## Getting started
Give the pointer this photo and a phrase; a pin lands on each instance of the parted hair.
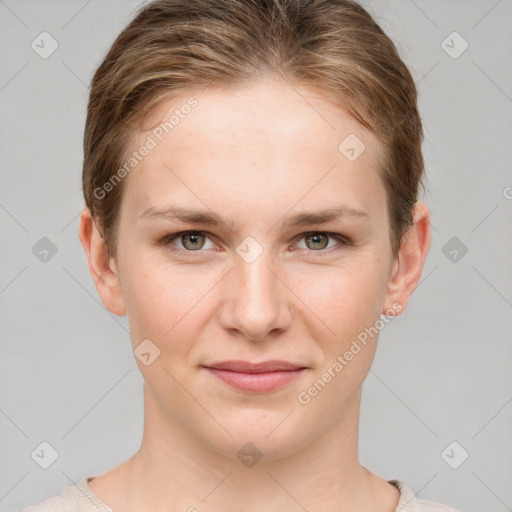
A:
(173, 47)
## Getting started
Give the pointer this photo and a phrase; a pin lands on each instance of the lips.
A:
(263, 367)
(256, 377)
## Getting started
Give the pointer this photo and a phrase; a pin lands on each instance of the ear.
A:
(102, 268)
(407, 267)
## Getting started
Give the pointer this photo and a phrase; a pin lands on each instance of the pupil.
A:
(191, 239)
(316, 240)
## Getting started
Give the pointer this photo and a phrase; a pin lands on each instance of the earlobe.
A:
(102, 268)
(408, 266)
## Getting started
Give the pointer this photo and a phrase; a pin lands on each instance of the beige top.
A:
(80, 498)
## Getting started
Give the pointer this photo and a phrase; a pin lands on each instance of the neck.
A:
(173, 467)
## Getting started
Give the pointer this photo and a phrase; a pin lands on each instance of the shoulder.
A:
(409, 503)
(76, 498)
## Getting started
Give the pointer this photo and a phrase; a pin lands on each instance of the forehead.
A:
(253, 113)
(269, 139)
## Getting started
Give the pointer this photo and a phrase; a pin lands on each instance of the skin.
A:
(254, 156)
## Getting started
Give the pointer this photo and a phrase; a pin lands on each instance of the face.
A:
(248, 234)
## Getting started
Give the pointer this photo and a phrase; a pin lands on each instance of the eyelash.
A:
(166, 242)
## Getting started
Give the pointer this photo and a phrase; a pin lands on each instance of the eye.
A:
(191, 241)
(319, 240)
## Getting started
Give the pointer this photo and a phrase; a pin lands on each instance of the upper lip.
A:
(261, 367)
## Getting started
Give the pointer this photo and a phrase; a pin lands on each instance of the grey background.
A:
(442, 371)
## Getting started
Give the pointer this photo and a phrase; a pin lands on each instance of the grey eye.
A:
(315, 239)
(193, 241)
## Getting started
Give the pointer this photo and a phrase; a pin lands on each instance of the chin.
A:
(260, 434)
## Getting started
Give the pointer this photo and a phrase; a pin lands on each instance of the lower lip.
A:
(257, 382)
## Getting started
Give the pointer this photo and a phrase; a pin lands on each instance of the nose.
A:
(256, 303)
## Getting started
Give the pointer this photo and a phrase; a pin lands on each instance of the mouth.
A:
(256, 377)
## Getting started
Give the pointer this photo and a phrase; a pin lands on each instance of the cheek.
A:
(162, 301)
(151, 298)
(347, 298)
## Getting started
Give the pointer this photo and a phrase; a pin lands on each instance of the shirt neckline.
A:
(87, 496)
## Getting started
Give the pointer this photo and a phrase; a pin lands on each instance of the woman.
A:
(251, 177)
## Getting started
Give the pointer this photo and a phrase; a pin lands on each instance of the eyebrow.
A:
(210, 218)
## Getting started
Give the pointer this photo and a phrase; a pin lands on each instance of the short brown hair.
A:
(172, 47)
